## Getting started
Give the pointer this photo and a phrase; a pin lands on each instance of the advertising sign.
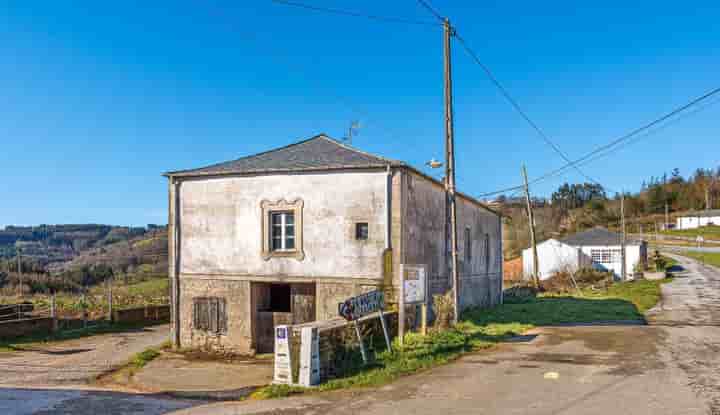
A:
(362, 305)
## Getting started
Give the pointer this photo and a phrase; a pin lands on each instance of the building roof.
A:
(597, 237)
(317, 153)
(702, 214)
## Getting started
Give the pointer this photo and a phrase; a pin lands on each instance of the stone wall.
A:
(238, 337)
(155, 313)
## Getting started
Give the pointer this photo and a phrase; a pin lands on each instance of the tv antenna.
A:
(353, 130)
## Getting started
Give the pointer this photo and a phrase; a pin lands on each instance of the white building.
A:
(597, 248)
(697, 219)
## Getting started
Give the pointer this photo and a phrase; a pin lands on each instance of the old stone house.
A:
(283, 236)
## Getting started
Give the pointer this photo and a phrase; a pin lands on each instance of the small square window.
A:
(361, 231)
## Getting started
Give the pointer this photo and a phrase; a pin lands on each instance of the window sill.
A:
(296, 254)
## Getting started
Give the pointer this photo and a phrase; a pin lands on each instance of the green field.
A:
(712, 258)
(707, 232)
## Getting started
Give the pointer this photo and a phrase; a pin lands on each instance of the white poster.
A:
(414, 284)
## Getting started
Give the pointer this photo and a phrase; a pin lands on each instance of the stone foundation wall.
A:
(238, 337)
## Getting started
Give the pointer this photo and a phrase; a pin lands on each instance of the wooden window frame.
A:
(268, 208)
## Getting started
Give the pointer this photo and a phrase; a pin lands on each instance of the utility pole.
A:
(531, 225)
(667, 216)
(450, 167)
(20, 275)
(623, 266)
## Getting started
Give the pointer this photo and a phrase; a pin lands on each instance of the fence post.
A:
(53, 312)
(84, 309)
(110, 300)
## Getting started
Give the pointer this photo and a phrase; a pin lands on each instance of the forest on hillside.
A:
(580, 206)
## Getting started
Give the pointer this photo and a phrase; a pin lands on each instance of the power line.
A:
(519, 109)
(387, 19)
(615, 145)
(431, 9)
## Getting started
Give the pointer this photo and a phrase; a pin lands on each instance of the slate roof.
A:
(317, 153)
(702, 214)
(596, 237)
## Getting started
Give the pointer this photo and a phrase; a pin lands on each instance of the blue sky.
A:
(99, 99)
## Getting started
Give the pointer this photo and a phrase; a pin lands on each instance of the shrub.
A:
(444, 310)
(519, 293)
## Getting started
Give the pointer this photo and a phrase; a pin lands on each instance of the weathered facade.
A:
(284, 236)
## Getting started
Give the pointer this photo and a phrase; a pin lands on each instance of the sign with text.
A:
(362, 305)
(414, 284)
(282, 373)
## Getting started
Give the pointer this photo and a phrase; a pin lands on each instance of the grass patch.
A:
(712, 258)
(143, 358)
(708, 232)
(483, 328)
(21, 343)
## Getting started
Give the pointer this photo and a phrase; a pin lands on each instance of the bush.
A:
(519, 293)
(444, 310)
(562, 281)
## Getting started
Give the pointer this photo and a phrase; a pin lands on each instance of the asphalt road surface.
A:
(53, 378)
(671, 366)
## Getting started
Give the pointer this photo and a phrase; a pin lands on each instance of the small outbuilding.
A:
(697, 219)
(597, 248)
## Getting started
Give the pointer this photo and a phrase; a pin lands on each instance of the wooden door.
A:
(303, 303)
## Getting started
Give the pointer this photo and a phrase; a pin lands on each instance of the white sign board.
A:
(309, 357)
(362, 305)
(414, 284)
(282, 373)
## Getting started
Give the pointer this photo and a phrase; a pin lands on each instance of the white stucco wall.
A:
(221, 222)
(632, 256)
(553, 256)
(694, 222)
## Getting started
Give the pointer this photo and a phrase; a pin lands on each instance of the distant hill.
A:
(61, 247)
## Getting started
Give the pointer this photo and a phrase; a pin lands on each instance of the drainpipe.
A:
(388, 209)
(176, 263)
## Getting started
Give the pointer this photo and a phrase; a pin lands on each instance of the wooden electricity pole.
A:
(19, 270)
(623, 266)
(667, 216)
(531, 225)
(450, 167)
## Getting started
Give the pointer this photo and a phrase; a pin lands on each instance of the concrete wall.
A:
(424, 242)
(633, 255)
(222, 224)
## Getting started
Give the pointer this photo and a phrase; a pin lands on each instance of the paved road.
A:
(53, 379)
(655, 369)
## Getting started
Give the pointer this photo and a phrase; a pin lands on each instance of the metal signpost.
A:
(363, 305)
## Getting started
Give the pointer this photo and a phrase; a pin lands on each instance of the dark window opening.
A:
(468, 245)
(362, 231)
(280, 298)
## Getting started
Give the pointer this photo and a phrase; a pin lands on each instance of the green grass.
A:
(483, 328)
(24, 342)
(143, 358)
(712, 258)
(708, 232)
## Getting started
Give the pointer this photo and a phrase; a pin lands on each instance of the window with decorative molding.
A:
(282, 229)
